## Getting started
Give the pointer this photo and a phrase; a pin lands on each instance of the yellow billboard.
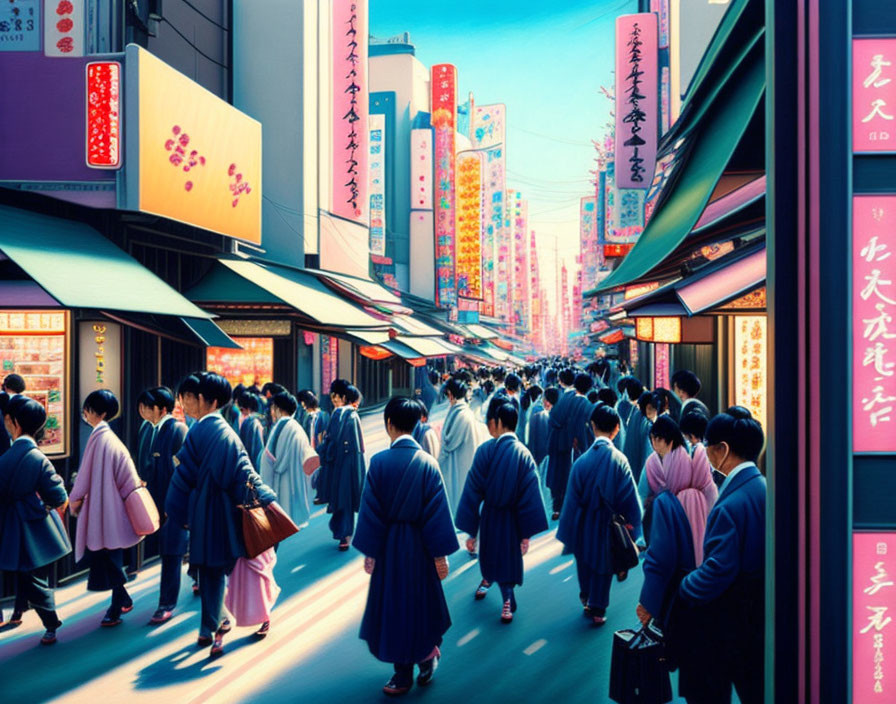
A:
(198, 157)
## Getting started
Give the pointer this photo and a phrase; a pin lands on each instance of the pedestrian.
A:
(213, 478)
(337, 399)
(105, 478)
(345, 469)
(406, 534)
(580, 415)
(13, 384)
(458, 442)
(188, 399)
(315, 420)
(288, 461)
(537, 433)
(32, 497)
(686, 385)
(167, 439)
(600, 486)
(611, 398)
(560, 440)
(693, 427)
(425, 435)
(630, 390)
(252, 591)
(637, 435)
(252, 410)
(719, 614)
(231, 412)
(502, 504)
(142, 457)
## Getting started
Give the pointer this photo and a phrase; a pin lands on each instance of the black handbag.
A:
(638, 671)
(624, 554)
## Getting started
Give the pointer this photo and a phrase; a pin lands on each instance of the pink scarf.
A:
(106, 476)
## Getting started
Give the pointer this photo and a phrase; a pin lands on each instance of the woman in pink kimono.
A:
(105, 478)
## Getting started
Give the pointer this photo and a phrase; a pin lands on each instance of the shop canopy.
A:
(481, 332)
(363, 291)
(80, 268)
(242, 282)
(688, 194)
(420, 347)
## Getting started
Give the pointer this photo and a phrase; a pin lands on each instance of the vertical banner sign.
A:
(350, 98)
(873, 606)
(637, 92)
(661, 9)
(421, 169)
(873, 326)
(588, 241)
(661, 366)
(534, 286)
(20, 25)
(468, 221)
(444, 121)
(377, 136)
(750, 356)
(63, 27)
(504, 286)
(488, 132)
(104, 114)
(521, 264)
(874, 95)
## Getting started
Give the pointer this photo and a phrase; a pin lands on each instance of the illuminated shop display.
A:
(254, 364)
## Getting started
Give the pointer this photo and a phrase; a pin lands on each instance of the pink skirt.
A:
(251, 589)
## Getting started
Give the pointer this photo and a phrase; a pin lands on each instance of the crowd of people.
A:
(605, 450)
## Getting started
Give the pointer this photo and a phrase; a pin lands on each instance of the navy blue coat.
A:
(327, 452)
(584, 526)
(252, 437)
(5, 440)
(345, 464)
(503, 481)
(404, 524)
(670, 555)
(539, 427)
(168, 440)
(637, 442)
(560, 442)
(315, 425)
(31, 532)
(142, 458)
(208, 486)
(420, 431)
(580, 425)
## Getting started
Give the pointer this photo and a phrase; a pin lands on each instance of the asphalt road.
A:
(313, 653)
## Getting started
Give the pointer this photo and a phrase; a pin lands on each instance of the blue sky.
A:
(546, 61)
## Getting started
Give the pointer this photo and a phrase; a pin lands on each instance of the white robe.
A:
(285, 471)
(460, 439)
(431, 443)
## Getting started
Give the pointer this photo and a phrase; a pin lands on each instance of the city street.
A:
(313, 652)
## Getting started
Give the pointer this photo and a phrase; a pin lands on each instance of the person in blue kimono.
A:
(314, 421)
(560, 441)
(337, 393)
(600, 485)
(251, 428)
(405, 534)
(637, 446)
(345, 469)
(231, 412)
(719, 613)
(167, 439)
(213, 477)
(630, 390)
(580, 416)
(32, 536)
(539, 422)
(502, 504)
(144, 435)
(610, 398)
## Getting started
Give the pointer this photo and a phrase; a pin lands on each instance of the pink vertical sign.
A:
(637, 95)
(443, 103)
(874, 323)
(873, 613)
(661, 366)
(350, 98)
(874, 95)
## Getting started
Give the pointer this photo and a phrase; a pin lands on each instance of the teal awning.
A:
(80, 268)
(689, 192)
(240, 281)
(210, 334)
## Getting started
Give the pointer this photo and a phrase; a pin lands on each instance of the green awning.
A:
(243, 281)
(80, 268)
(713, 145)
(210, 334)
(401, 350)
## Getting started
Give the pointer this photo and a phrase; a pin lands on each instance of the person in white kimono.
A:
(288, 460)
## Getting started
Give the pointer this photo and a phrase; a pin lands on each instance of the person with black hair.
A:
(288, 460)
(13, 384)
(425, 435)
(32, 497)
(537, 434)
(5, 440)
(142, 457)
(326, 446)
(459, 442)
(600, 485)
(314, 420)
(426, 383)
(637, 434)
(231, 411)
(719, 615)
(693, 427)
(188, 398)
(345, 469)
(686, 385)
(213, 476)
(502, 504)
(166, 439)
(105, 478)
(405, 534)
(560, 440)
(580, 416)
(512, 386)
(251, 427)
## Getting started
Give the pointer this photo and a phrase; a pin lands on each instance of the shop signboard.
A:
(488, 132)
(467, 225)
(661, 366)
(99, 357)
(377, 141)
(103, 149)
(20, 25)
(443, 82)
(874, 323)
(874, 94)
(873, 609)
(64, 33)
(254, 364)
(750, 364)
(637, 94)
(421, 169)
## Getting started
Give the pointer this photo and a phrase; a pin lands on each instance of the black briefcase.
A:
(638, 671)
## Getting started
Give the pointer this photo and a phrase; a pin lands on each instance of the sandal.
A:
(263, 630)
(481, 590)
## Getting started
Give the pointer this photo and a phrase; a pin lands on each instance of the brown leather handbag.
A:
(264, 526)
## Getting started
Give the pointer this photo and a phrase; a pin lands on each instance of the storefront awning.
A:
(363, 291)
(481, 332)
(411, 326)
(210, 334)
(240, 282)
(424, 346)
(369, 337)
(80, 268)
(713, 146)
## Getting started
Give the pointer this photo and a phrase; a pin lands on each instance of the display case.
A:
(254, 364)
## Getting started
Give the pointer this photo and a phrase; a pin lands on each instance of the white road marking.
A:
(296, 569)
(568, 578)
(560, 568)
(535, 647)
(467, 638)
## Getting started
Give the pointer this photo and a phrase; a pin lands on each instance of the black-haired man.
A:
(560, 441)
